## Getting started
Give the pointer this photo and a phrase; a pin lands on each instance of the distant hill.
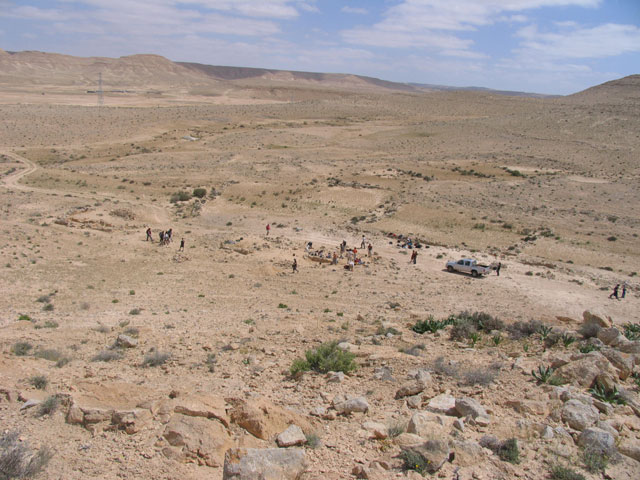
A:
(622, 90)
(156, 72)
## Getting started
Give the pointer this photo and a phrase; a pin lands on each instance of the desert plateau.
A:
(128, 358)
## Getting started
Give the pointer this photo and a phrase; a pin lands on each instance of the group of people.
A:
(351, 254)
(165, 237)
(616, 290)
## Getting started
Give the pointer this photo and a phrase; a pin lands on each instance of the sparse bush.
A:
(474, 338)
(48, 406)
(415, 350)
(463, 329)
(509, 451)
(520, 330)
(594, 461)
(39, 381)
(180, 197)
(21, 348)
(326, 358)
(24, 317)
(44, 299)
(132, 331)
(107, 356)
(62, 362)
(396, 429)
(211, 361)
(479, 376)
(155, 359)
(17, 460)
(135, 311)
(282, 305)
(446, 367)
(49, 354)
(465, 324)
(430, 325)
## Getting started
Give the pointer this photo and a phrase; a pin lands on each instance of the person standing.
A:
(181, 249)
(149, 237)
(295, 264)
(624, 290)
(363, 244)
(370, 250)
(498, 268)
(614, 294)
(268, 228)
(414, 257)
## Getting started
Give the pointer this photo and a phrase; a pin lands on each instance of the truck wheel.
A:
(449, 268)
(474, 273)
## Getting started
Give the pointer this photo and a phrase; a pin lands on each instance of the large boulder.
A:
(597, 440)
(203, 405)
(622, 362)
(427, 425)
(442, 403)
(357, 404)
(264, 464)
(612, 337)
(598, 319)
(467, 406)
(263, 419)
(468, 453)
(578, 415)
(584, 368)
(132, 421)
(409, 389)
(199, 439)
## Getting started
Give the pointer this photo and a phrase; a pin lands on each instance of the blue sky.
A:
(545, 46)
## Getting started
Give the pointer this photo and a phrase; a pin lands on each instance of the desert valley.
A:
(125, 358)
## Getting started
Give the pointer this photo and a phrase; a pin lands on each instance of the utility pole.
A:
(100, 92)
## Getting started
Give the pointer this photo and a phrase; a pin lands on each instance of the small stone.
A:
(469, 407)
(125, 341)
(335, 377)
(578, 415)
(318, 411)
(442, 403)
(291, 437)
(264, 464)
(414, 401)
(458, 423)
(29, 403)
(358, 404)
(410, 389)
(378, 430)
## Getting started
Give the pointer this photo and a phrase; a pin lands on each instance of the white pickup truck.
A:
(468, 265)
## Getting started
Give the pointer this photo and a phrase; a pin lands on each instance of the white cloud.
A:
(355, 10)
(580, 43)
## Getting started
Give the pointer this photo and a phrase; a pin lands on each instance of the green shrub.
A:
(326, 358)
(282, 305)
(135, 311)
(543, 375)
(558, 472)
(24, 317)
(520, 330)
(567, 339)
(603, 394)
(200, 192)
(21, 348)
(509, 451)
(466, 324)
(589, 347)
(17, 460)
(313, 440)
(39, 381)
(396, 429)
(632, 331)
(414, 461)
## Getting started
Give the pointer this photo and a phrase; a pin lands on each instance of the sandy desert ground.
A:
(546, 186)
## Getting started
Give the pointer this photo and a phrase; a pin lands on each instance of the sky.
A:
(542, 46)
